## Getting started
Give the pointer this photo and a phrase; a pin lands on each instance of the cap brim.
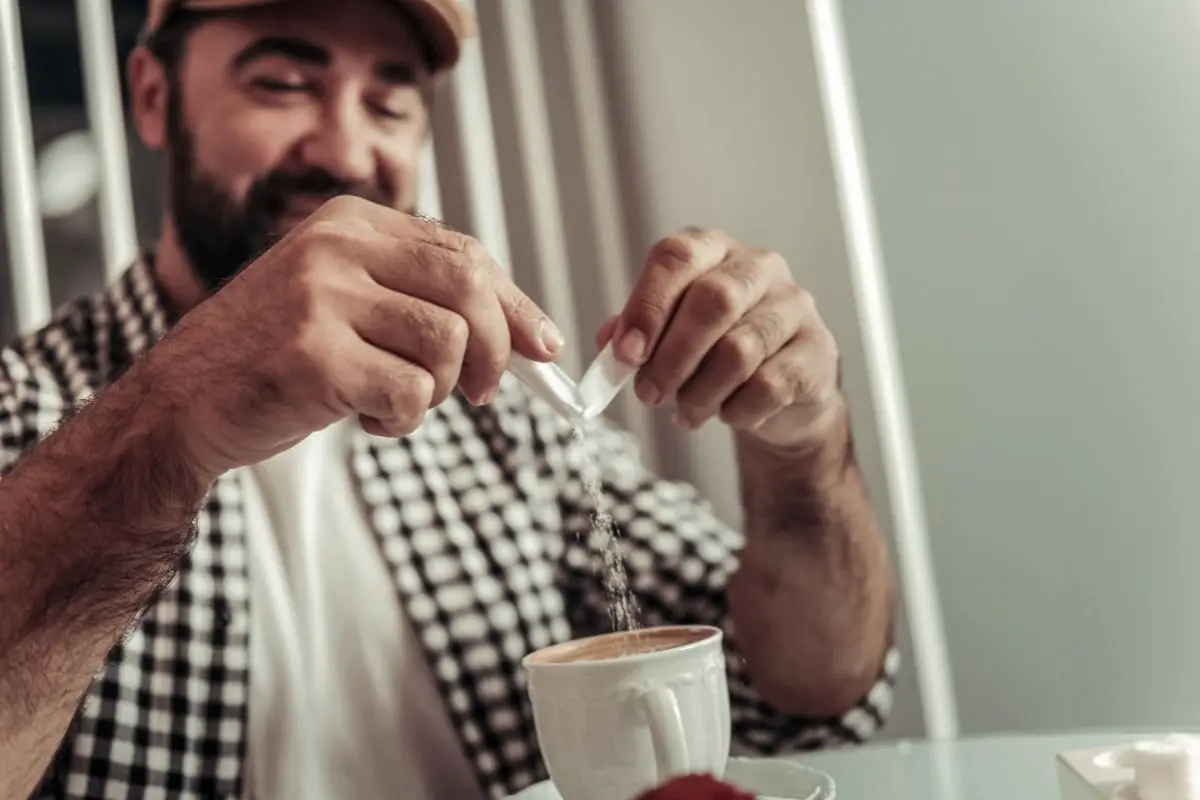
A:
(441, 24)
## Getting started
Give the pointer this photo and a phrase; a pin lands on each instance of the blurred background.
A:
(1032, 169)
(67, 167)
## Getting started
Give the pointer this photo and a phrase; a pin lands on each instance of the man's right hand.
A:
(359, 310)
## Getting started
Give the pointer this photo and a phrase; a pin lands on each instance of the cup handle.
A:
(666, 732)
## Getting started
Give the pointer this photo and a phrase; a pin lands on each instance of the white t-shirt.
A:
(342, 702)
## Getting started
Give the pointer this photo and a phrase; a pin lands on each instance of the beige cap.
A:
(443, 24)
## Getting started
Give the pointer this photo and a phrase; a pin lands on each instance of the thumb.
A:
(606, 331)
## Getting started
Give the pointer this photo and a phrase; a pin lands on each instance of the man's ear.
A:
(149, 91)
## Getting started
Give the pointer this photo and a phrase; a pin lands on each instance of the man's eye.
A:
(273, 85)
(395, 114)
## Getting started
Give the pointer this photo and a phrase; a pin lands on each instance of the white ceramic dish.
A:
(769, 779)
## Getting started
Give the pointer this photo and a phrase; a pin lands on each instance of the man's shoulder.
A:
(64, 347)
(44, 372)
(86, 344)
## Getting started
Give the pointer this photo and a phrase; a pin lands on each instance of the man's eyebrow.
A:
(399, 73)
(288, 47)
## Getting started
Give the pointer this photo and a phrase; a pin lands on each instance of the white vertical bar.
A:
(475, 132)
(600, 169)
(867, 275)
(102, 84)
(22, 217)
(528, 97)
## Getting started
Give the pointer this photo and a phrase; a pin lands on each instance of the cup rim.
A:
(711, 631)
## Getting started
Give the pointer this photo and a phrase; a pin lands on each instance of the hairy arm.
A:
(93, 521)
(813, 562)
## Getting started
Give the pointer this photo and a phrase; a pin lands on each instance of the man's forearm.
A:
(93, 521)
(812, 599)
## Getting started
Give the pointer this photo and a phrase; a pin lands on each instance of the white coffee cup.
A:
(621, 713)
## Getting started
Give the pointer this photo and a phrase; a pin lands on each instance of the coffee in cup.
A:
(619, 645)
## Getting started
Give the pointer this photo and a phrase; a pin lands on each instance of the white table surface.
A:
(1012, 767)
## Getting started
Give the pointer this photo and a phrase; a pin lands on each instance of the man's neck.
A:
(174, 273)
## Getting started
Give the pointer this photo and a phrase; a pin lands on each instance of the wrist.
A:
(177, 409)
(145, 415)
(795, 495)
(800, 434)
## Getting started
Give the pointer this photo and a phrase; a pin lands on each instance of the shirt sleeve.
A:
(679, 558)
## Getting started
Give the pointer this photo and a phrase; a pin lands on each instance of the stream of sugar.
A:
(623, 611)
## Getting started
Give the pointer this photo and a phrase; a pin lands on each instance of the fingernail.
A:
(679, 419)
(551, 336)
(648, 392)
(633, 346)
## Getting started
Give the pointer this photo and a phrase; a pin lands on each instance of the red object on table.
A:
(696, 787)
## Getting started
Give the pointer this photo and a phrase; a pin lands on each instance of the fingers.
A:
(722, 329)
(738, 354)
(461, 284)
(389, 394)
(711, 306)
(801, 378)
(422, 333)
(453, 271)
(670, 268)
(533, 333)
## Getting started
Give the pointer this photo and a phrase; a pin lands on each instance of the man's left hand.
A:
(721, 329)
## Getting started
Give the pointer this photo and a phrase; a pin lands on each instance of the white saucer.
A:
(770, 779)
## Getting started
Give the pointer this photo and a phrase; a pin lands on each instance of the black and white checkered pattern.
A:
(482, 519)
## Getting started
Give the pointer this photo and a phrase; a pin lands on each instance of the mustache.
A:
(272, 193)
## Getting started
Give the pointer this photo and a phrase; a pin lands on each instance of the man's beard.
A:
(218, 234)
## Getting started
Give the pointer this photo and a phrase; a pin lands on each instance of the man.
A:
(300, 523)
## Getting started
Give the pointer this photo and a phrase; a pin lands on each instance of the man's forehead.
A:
(371, 30)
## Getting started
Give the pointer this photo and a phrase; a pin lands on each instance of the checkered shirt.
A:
(483, 522)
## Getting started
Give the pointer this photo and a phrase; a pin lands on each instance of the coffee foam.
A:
(620, 645)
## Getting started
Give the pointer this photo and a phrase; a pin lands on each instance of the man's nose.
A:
(341, 145)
